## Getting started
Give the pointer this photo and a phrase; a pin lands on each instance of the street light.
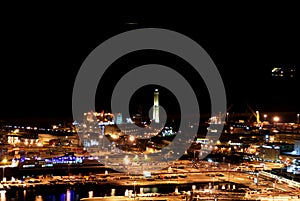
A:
(265, 116)
(131, 138)
(275, 119)
(134, 189)
(227, 114)
(106, 158)
(298, 122)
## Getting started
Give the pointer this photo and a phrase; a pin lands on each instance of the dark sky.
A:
(43, 49)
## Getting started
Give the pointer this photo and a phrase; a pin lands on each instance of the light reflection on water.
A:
(69, 195)
(58, 193)
(2, 195)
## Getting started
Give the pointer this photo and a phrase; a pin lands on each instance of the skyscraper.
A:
(156, 106)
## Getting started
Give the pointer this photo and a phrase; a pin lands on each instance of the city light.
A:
(276, 119)
(79, 137)
(134, 159)
(131, 138)
(227, 116)
(126, 160)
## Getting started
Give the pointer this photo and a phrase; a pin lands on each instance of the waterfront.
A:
(223, 180)
(67, 188)
(75, 193)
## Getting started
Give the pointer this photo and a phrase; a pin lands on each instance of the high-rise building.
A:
(118, 118)
(156, 106)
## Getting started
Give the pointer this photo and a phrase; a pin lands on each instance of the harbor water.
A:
(75, 193)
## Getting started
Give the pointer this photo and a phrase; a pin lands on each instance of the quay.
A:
(123, 198)
(167, 198)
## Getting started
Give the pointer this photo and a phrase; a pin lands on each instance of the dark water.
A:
(75, 193)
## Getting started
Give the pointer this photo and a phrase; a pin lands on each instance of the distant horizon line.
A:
(2, 118)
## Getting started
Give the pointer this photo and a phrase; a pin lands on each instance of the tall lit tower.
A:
(257, 117)
(156, 106)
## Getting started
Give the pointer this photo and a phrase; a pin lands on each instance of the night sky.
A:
(42, 51)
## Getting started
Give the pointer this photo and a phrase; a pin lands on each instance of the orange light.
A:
(276, 119)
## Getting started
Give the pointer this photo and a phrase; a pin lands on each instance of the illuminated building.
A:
(156, 106)
(283, 72)
(217, 119)
(118, 118)
(269, 153)
(105, 118)
(90, 130)
(297, 146)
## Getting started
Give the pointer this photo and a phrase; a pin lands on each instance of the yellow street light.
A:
(275, 119)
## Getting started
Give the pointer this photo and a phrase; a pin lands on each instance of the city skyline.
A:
(191, 145)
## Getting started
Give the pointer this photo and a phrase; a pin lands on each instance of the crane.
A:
(256, 114)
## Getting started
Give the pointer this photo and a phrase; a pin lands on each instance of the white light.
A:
(91, 194)
(131, 138)
(68, 195)
(276, 118)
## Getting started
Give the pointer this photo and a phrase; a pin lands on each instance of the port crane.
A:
(255, 114)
